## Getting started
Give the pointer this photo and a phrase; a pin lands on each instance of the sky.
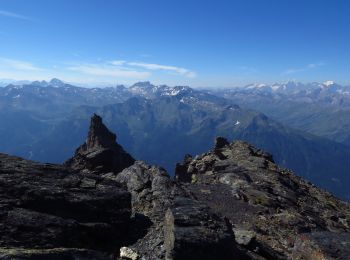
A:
(183, 42)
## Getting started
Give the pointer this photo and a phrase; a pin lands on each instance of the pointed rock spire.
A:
(100, 153)
(99, 136)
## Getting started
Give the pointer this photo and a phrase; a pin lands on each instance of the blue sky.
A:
(197, 43)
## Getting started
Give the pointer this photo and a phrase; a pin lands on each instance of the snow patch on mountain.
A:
(328, 83)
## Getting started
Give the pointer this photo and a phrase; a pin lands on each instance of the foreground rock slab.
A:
(192, 231)
(44, 206)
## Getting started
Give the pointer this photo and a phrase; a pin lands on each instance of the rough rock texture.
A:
(233, 202)
(46, 212)
(268, 208)
(128, 253)
(100, 153)
(51, 254)
(150, 189)
(168, 224)
(192, 231)
(322, 245)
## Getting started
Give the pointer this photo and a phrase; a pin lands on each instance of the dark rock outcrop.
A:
(181, 173)
(322, 245)
(51, 254)
(100, 153)
(192, 231)
(48, 212)
(268, 208)
(151, 189)
(168, 222)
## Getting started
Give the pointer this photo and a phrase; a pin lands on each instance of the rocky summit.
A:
(272, 213)
(232, 202)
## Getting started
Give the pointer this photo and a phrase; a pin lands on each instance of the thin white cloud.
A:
(152, 66)
(123, 68)
(109, 71)
(306, 68)
(120, 71)
(117, 62)
(18, 65)
(315, 65)
(14, 15)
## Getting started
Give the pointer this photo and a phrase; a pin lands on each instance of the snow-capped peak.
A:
(328, 83)
(56, 82)
(261, 85)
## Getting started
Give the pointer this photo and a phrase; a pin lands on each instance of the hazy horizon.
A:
(195, 43)
(5, 82)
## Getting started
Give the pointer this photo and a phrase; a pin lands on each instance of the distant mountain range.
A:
(318, 108)
(45, 121)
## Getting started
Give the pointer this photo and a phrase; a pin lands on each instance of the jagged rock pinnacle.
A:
(100, 153)
(99, 136)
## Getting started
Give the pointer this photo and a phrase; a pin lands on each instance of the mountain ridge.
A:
(320, 109)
